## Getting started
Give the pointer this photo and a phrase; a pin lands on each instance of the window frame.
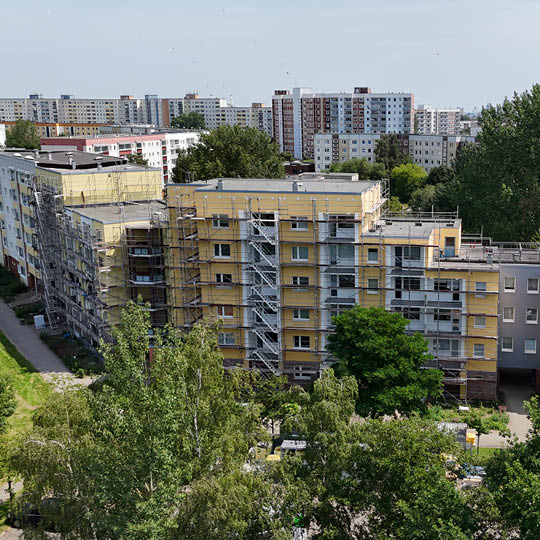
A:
(219, 248)
(298, 222)
(532, 291)
(505, 288)
(476, 325)
(221, 337)
(297, 250)
(525, 346)
(370, 260)
(222, 310)
(298, 279)
(529, 321)
(220, 221)
(506, 349)
(513, 314)
(475, 355)
(298, 312)
(299, 346)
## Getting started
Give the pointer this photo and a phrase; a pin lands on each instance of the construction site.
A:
(275, 260)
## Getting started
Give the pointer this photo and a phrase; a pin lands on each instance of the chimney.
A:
(295, 185)
(99, 166)
(73, 164)
(49, 156)
(220, 184)
(71, 161)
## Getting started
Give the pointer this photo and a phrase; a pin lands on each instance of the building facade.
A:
(432, 121)
(299, 116)
(275, 260)
(159, 149)
(430, 151)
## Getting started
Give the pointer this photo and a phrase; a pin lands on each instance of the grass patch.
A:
(74, 354)
(4, 508)
(10, 286)
(30, 388)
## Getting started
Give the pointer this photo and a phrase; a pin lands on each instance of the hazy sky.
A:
(447, 53)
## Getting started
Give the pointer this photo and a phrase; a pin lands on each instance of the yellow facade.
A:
(275, 260)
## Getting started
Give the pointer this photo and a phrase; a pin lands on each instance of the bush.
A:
(80, 373)
(10, 286)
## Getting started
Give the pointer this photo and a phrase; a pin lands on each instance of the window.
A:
(224, 278)
(442, 315)
(299, 222)
(411, 253)
(373, 255)
(510, 284)
(408, 284)
(532, 285)
(507, 344)
(479, 321)
(301, 314)
(478, 350)
(220, 221)
(372, 285)
(410, 313)
(300, 280)
(225, 311)
(508, 314)
(303, 372)
(446, 285)
(481, 286)
(530, 346)
(341, 252)
(300, 253)
(222, 250)
(532, 316)
(345, 281)
(226, 338)
(301, 342)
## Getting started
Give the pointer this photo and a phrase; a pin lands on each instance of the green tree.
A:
(513, 477)
(389, 152)
(498, 186)
(7, 401)
(230, 152)
(122, 459)
(137, 159)
(423, 199)
(371, 344)
(23, 135)
(440, 175)
(483, 421)
(190, 120)
(378, 172)
(406, 178)
(394, 205)
(361, 166)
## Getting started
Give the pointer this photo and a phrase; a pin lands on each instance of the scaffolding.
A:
(341, 274)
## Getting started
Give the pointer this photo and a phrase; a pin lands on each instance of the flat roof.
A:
(284, 185)
(120, 213)
(414, 229)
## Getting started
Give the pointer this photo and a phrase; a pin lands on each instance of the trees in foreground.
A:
(230, 152)
(162, 449)
(371, 344)
(23, 135)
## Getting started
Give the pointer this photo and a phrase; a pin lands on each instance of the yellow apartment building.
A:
(276, 259)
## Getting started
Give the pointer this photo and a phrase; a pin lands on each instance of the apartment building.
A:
(431, 151)
(299, 116)
(519, 306)
(276, 259)
(48, 129)
(159, 149)
(432, 121)
(334, 148)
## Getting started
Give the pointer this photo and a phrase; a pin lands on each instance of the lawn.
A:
(30, 388)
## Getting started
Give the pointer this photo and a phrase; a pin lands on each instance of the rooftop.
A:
(122, 213)
(286, 185)
(62, 159)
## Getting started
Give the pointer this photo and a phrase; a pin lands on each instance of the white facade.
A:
(343, 147)
(430, 151)
(2, 135)
(432, 121)
(17, 245)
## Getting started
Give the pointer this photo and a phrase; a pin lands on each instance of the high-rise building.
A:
(431, 151)
(299, 116)
(432, 121)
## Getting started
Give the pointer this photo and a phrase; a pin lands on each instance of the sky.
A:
(447, 53)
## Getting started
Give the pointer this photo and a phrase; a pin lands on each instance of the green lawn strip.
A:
(30, 388)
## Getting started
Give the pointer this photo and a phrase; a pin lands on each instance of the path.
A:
(26, 339)
(517, 388)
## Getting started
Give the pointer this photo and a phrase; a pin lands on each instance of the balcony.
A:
(146, 280)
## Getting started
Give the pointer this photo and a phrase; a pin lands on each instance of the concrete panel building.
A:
(432, 121)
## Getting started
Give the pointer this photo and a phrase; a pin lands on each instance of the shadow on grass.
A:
(16, 355)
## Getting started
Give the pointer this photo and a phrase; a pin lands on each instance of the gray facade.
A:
(519, 312)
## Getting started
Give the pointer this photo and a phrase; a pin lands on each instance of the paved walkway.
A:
(517, 388)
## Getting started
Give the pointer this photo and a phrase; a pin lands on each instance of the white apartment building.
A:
(159, 149)
(343, 147)
(299, 116)
(432, 121)
(431, 151)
